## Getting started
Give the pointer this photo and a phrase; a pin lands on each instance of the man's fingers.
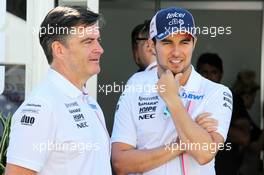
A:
(211, 129)
(202, 116)
(169, 72)
(208, 121)
(208, 124)
(178, 77)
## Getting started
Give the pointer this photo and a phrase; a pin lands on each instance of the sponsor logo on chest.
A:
(147, 107)
(191, 96)
(75, 111)
(27, 120)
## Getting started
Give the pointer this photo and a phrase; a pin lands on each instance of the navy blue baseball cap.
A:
(171, 20)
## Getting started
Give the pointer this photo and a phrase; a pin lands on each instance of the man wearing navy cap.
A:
(179, 126)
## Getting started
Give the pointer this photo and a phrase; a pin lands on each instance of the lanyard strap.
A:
(184, 157)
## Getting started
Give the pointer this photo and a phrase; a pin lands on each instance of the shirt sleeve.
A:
(220, 105)
(32, 132)
(124, 129)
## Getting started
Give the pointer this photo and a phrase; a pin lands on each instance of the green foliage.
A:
(6, 122)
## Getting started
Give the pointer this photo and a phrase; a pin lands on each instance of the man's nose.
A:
(99, 48)
(176, 51)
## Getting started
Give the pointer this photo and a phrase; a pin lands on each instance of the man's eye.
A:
(88, 42)
(166, 42)
(186, 41)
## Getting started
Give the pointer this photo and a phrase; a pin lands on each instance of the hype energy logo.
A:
(191, 96)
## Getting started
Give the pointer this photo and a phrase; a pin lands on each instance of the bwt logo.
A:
(27, 120)
(191, 96)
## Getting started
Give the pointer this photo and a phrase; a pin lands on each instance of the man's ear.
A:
(58, 49)
(135, 55)
(150, 46)
(194, 43)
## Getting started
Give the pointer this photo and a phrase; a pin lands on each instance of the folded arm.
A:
(127, 159)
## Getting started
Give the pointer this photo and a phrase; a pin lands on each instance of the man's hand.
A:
(168, 85)
(206, 122)
(12, 169)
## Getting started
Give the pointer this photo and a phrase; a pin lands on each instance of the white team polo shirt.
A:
(59, 130)
(140, 120)
(151, 66)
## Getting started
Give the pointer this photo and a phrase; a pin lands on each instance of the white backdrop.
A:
(2, 13)
(2, 79)
(2, 44)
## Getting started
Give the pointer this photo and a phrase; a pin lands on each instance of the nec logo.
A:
(27, 120)
(146, 116)
(191, 96)
(82, 125)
